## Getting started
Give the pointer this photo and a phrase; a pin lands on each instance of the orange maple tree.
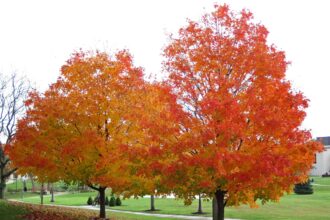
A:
(76, 130)
(244, 142)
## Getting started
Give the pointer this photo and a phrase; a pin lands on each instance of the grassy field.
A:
(293, 207)
(17, 186)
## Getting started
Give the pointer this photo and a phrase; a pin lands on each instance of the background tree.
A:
(13, 90)
(199, 209)
(303, 188)
(245, 140)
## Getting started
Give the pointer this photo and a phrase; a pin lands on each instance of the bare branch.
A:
(13, 92)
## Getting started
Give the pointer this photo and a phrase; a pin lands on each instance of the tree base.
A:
(199, 213)
(98, 218)
(154, 210)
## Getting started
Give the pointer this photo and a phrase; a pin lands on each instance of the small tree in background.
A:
(118, 201)
(303, 188)
(112, 201)
(90, 201)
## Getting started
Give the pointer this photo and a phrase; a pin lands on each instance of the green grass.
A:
(9, 212)
(70, 199)
(291, 207)
(20, 195)
(164, 206)
(18, 186)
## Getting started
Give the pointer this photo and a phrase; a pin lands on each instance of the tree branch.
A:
(6, 175)
(93, 187)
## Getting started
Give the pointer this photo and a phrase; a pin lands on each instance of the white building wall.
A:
(322, 164)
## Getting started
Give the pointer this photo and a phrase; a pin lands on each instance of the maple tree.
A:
(76, 130)
(244, 141)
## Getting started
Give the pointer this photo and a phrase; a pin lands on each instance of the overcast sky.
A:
(37, 37)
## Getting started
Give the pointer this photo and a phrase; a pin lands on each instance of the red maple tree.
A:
(245, 142)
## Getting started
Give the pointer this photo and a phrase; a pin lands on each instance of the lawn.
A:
(21, 195)
(294, 207)
(17, 186)
(71, 199)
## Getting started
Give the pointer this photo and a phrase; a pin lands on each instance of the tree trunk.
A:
(200, 211)
(24, 186)
(16, 184)
(32, 183)
(219, 205)
(2, 188)
(152, 203)
(214, 209)
(52, 193)
(2, 183)
(42, 194)
(2, 180)
(102, 201)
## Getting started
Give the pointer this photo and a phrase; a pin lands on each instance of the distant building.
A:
(322, 160)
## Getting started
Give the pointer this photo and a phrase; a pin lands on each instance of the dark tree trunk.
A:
(102, 201)
(42, 194)
(24, 186)
(214, 209)
(4, 175)
(52, 193)
(2, 183)
(199, 211)
(2, 188)
(152, 203)
(219, 205)
(101, 191)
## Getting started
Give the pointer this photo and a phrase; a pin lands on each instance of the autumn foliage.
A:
(77, 129)
(245, 142)
(225, 123)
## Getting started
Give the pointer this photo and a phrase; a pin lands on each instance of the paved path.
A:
(138, 213)
(315, 184)
(158, 215)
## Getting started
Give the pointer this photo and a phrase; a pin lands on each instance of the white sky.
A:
(38, 36)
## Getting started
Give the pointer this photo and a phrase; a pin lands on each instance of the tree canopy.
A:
(245, 140)
(75, 131)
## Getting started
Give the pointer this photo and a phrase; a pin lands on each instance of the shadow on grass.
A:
(151, 211)
(200, 213)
